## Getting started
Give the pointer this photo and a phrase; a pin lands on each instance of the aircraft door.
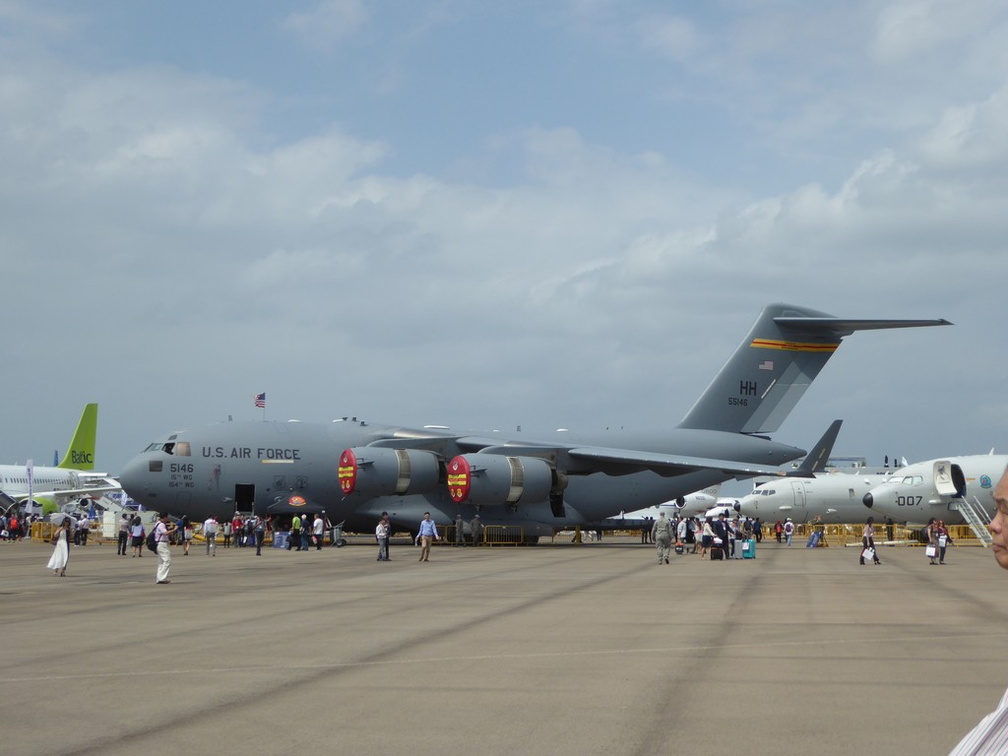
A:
(244, 497)
(949, 479)
(798, 490)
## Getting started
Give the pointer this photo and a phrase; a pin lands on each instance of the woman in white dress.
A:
(61, 552)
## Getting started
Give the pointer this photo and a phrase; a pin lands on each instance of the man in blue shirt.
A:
(428, 530)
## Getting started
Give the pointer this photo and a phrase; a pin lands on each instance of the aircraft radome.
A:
(540, 483)
(936, 488)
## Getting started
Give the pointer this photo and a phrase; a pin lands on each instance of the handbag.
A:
(930, 551)
(868, 553)
(943, 541)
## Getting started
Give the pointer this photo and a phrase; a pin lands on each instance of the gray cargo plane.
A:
(356, 470)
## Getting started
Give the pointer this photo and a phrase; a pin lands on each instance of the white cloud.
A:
(160, 210)
(327, 23)
(673, 37)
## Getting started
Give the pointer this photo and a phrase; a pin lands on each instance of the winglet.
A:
(815, 461)
(80, 455)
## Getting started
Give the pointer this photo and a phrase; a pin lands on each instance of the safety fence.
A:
(851, 534)
(513, 535)
(490, 535)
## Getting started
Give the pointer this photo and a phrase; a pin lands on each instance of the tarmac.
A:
(554, 649)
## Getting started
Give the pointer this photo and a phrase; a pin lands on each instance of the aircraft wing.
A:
(587, 459)
(65, 493)
(625, 461)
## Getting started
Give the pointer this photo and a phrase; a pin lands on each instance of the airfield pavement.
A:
(556, 649)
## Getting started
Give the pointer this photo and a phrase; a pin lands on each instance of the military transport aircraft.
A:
(541, 483)
(939, 488)
(72, 478)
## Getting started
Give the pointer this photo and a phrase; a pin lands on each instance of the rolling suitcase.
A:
(716, 553)
(749, 549)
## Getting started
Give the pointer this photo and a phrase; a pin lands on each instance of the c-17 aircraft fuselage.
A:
(356, 470)
(248, 466)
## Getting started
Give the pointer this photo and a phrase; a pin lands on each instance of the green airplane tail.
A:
(80, 455)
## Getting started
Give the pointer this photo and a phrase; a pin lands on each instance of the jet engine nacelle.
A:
(380, 471)
(494, 479)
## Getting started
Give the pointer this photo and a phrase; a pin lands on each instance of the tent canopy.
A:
(294, 504)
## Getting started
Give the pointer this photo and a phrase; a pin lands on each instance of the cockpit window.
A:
(183, 449)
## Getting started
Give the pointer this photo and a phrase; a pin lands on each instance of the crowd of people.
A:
(696, 535)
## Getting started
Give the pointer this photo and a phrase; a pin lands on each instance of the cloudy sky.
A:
(487, 214)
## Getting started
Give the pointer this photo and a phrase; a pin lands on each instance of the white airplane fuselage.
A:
(829, 497)
(934, 488)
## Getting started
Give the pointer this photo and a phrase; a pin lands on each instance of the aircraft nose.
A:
(868, 500)
(131, 477)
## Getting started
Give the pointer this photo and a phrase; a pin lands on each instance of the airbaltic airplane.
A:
(72, 478)
(918, 492)
(357, 470)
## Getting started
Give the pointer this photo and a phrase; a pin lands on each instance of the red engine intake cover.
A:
(459, 479)
(347, 472)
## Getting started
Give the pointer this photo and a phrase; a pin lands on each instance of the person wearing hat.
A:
(788, 530)
(661, 534)
(477, 530)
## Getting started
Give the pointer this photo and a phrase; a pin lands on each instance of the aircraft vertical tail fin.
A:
(769, 372)
(81, 452)
(815, 461)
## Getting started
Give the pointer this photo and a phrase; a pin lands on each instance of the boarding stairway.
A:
(976, 518)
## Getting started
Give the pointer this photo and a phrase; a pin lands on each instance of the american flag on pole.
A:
(260, 400)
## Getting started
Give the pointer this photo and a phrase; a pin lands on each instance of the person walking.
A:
(162, 532)
(944, 539)
(124, 531)
(459, 531)
(259, 529)
(187, 534)
(931, 537)
(318, 526)
(61, 549)
(868, 542)
(661, 534)
(137, 535)
(706, 538)
(426, 533)
(210, 534)
(477, 530)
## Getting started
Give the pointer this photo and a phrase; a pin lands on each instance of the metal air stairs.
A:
(976, 518)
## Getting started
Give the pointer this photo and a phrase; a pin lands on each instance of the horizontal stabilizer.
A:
(770, 371)
(845, 327)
